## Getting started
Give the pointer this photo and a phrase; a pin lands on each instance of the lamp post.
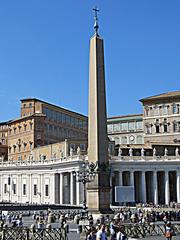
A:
(86, 174)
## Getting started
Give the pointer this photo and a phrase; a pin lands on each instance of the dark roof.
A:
(162, 96)
(27, 117)
(5, 123)
(53, 105)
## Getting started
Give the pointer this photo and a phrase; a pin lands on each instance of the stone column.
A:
(77, 193)
(19, 188)
(61, 188)
(30, 188)
(143, 184)
(39, 189)
(132, 178)
(178, 186)
(42, 188)
(167, 188)
(120, 178)
(71, 188)
(52, 189)
(155, 187)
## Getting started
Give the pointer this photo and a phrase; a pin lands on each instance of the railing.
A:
(13, 163)
(140, 230)
(33, 234)
(41, 162)
(145, 158)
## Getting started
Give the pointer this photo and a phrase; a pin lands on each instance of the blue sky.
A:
(44, 52)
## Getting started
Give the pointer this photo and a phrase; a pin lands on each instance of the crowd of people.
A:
(115, 228)
(101, 228)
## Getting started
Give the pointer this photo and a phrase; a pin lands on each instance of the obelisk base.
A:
(98, 200)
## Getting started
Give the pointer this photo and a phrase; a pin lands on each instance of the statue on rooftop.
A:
(130, 152)
(119, 152)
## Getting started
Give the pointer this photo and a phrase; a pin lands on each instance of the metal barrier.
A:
(141, 230)
(33, 234)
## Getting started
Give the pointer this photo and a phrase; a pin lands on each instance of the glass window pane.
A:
(124, 126)
(131, 125)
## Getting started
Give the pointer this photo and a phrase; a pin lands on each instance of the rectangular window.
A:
(5, 188)
(131, 126)
(157, 129)
(175, 108)
(156, 111)
(55, 116)
(124, 126)
(72, 145)
(175, 127)
(165, 128)
(80, 124)
(59, 117)
(24, 189)
(110, 127)
(68, 120)
(83, 146)
(76, 123)
(14, 188)
(148, 129)
(63, 117)
(139, 125)
(35, 189)
(116, 127)
(31, 126)
(165, 110)
(85, 125)
(46, 190)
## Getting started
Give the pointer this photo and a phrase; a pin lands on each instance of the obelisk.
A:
(98, 191)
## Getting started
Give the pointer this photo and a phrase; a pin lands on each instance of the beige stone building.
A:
(40, 124)
(59, 150)
(126, 130)
(4, 140)
(161, 120)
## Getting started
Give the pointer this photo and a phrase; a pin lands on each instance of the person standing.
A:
(92, 234)
(121, 235)
(169, 231)
(101, 234)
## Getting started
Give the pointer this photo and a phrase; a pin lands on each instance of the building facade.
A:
(155, 180)
(126, 129)
(161, 118)
(40, 124)
(4, 140)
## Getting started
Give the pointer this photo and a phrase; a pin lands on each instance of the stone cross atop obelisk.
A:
(98, 191)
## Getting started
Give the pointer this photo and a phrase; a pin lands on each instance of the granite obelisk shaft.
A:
(98, 191)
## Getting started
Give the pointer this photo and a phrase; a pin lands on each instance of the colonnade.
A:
(157, 187)
(68, 189)
(55, 187)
